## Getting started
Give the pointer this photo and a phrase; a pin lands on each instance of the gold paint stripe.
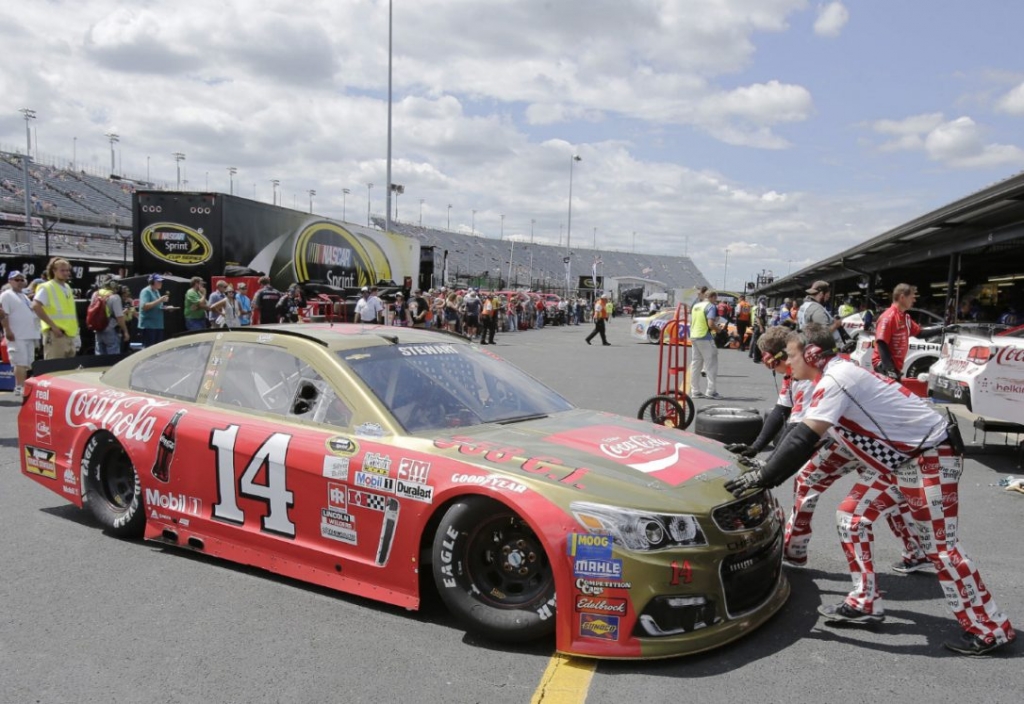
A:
(566, 680)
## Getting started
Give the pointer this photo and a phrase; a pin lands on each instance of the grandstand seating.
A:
(477, 256)
(81, 211)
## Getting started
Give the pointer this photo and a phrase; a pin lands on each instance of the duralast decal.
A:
(176, 244)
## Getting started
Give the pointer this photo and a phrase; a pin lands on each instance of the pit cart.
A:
(672, 405)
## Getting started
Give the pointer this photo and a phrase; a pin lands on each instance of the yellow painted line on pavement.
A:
(565, 681)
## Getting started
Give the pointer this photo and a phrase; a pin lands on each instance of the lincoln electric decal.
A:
(176, 244)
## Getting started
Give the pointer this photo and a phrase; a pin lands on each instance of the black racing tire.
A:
(920, 366)
(493, 573)
(729, 425)
(672, 412)
(113, 491)
(654, 334)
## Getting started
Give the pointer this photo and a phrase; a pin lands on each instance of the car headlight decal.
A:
(640, 531)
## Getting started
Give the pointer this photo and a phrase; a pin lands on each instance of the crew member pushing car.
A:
(898, 436)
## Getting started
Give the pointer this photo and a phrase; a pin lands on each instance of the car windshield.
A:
(435, 386)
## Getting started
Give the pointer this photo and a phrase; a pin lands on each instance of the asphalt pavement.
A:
(88, 618)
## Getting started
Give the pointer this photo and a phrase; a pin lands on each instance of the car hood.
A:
(611, 457)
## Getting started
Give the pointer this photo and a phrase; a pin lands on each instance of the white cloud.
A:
(958, 143)
(831, 19)
(1012, 102)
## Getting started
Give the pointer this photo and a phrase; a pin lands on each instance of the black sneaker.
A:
(844, 613)
(972, 644)
(911, 565)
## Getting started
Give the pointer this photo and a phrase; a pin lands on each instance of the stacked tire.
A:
(728, 424)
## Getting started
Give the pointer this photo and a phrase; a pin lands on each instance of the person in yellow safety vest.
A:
(846, 309)
(602, 311)
(54, 303)
(702, 346)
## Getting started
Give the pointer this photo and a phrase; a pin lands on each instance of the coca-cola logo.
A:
(625, 448)
(123, 415)
(1010, 355)
(949, 500)
(916, 502)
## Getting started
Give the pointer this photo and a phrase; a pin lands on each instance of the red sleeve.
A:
(883, 328)
(914, 327)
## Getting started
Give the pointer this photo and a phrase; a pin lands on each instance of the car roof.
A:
(346, 336)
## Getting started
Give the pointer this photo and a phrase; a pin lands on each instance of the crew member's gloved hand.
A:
(751, 463)
(892, 374)
(742, 449)
(744, 483)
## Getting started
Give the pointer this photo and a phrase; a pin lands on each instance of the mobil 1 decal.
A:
(325, 251)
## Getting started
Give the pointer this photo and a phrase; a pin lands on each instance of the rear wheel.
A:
(493, 573)
(653, 334)
(112, 487)
(920, 366)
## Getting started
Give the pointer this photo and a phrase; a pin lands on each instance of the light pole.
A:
(231, 175)
(147, 168)
(207, 180)
(568, 228)
(29, 115)
(274, 184)
(472, 225)
(178, 158)
(532, 223)
(421, 212)
(510, 253)
(311, 194)
(114, 139)
(398, 189)
(344, 193)
(595, 238)
(74, 152)
(634, 241)
(725, 276)
(501, 234)
(369, 187)
(529, 279)
(449, 217)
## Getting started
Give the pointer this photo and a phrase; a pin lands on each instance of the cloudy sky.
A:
(782, 131)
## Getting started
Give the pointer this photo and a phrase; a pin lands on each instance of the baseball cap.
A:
(399, 295)
(364, 289)
(153, 278)
(819, 287)
(15, 275)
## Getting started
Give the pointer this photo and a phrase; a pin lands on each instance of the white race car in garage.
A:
(985, 372)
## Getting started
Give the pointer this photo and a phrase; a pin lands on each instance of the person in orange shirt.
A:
(600, 316)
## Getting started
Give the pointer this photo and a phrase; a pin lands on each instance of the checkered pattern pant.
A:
(821, 471)
(930, 483)
(875, 494)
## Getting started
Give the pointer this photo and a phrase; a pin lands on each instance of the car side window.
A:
(272, 380)
(175, 373)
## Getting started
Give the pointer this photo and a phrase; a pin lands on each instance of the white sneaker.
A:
(18, 391)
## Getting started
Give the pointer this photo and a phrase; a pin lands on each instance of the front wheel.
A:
(492, 572)
(113, 491)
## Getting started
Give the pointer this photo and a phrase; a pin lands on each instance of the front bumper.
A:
(682, 601)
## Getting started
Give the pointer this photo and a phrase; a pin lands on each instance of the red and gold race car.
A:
(383, 461)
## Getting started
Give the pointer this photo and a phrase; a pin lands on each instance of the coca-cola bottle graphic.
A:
(165, 449)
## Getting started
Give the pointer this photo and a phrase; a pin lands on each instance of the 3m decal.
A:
(275, 494)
